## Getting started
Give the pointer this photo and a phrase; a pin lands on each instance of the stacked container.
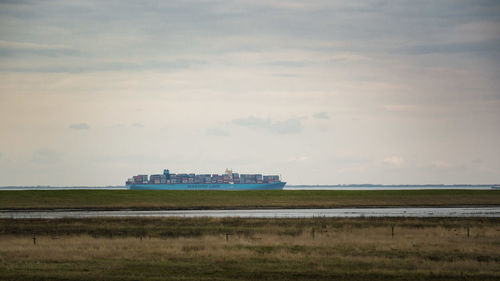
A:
(192, 178)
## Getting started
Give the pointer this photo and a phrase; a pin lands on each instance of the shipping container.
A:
(192, 178)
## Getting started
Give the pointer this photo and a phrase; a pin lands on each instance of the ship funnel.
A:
(166, 172)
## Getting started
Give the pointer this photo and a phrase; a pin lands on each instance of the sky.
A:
(320, 92)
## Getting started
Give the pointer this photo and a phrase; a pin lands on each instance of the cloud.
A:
(286, 75)
(439, 164)
(289, 63)
(138, 125)
(407, 72)
(400, 107)
(15, 2)
(10, 48)
(85, 65)
(253, 122)
(289, 126)
(217, 132)
(321, 115)
(484, 47)
(227, 28)
(478, 161)
(299, 159)
(79, 126)
(45, 156)
(394, 161)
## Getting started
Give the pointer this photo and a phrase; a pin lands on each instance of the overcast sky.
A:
(321, 92)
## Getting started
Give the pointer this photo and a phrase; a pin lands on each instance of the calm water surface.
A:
(277, 213)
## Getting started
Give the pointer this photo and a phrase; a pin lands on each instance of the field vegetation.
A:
(250, 249)
(139, 199)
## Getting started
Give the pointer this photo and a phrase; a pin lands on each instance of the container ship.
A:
(226, 181)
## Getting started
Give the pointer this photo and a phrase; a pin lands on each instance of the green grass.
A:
(116, 199)
(256, 249)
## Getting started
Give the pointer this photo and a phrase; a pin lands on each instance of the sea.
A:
(294, 187)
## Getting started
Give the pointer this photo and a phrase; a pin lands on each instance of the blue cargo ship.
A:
(226, 181)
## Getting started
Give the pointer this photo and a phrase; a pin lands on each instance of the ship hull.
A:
(222, 186)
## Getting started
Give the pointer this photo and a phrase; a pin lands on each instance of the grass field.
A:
(250, 249)
(116, 199)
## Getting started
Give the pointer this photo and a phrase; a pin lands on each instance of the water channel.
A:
(261, 213)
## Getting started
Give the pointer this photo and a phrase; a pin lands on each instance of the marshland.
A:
(250, 249)
(186, 199)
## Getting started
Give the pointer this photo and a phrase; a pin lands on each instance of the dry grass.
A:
(344, 250)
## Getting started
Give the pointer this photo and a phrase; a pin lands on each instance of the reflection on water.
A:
(276, 213)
